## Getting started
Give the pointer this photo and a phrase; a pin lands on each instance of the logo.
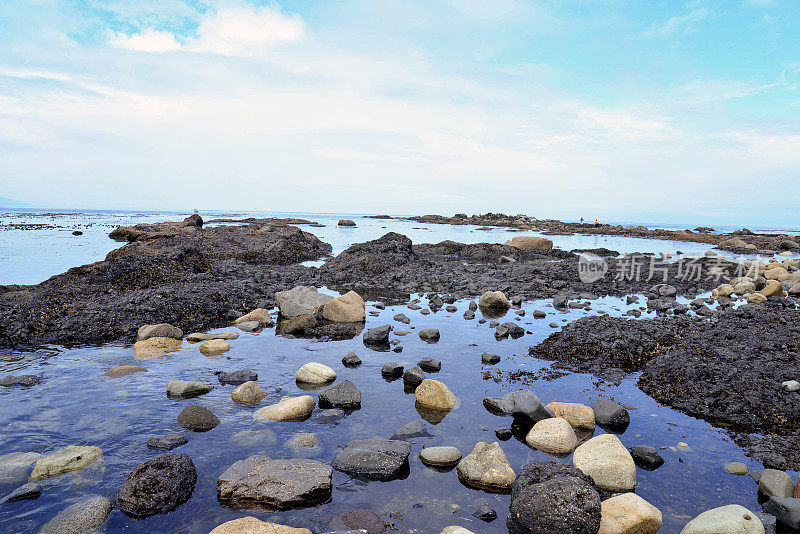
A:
(591, 267)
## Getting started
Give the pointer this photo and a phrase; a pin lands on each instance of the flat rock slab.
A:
(22, 380)
(275, 484)
(237, 378)
(124, 370)
(70, 458)
(158, 486)
(373, 459)
(167, 442)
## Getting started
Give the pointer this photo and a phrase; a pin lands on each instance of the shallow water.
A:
(76, 404)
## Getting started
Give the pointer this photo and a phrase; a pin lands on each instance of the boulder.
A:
(86, 515)
(124, 370)
(158, 486)
(732, 518)
(430, 365)
(523, 404)
(578, 415)
(167, 442)
(553, 435)
(351, 360)
(197, 418)
(611, 415)
(213, 347)
(646, 457)
(315, 373)
(786, 511)
(412, 430)
(186, 389)
(300, 300)
(16, 466)
(65, 460)
(378, 336)
(608, 462)
(349, 308)
(248, 393)
(155, 347)
(373, 459)
(159, 330)
(440, 456)
(431, 335)
(494, 300)
(629, 514)
(288, 409)
(275, 484)
(530, 243)
(434, 395)
(487, 468)
(237, 378)
(343, 395)
(775, 483)
(775, 289)
(259, 315)
(252, 525)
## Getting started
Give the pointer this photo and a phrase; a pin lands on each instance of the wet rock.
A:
(434, 395)
(300, 300)
(629, 514)
(343, 395)
(504, 434)
(785, 510)
(288, 409)
(431, 335)
(331, 415)
(469, 315)
(578, 415)
(213, 347)
(16, 466)
(494, 301)
(346, 222)
(124, 370)
(611, 415)
(158, 486)
(730, 518)
(413, 376)
(608, 462)
(412, 430)
(315, 373)
(348, 308)
(21, 380)
(259, 315)
(440, 456)
(775, 483)
(430, 365)
(202, 336)
(155, 347)
(509, 329)
(486, 467)
(552, 497)
(186, 389)
(197, 418)
(523, 404)
(359, 521)
(237, 378)
(378, 336)
(530, 243)
(646, 457)
(553, 436)
(167, 442)
(85, 516)
(65, 460)
(252, 525)
(734, 468)
(489, 359)
(159, 330)
(402, 318)
(373, 459)
(275, 484)
(539, 314)
(485, 513)
(248, 326)
(392, 370)
(351, 360)
(27, 492)
(248, 393)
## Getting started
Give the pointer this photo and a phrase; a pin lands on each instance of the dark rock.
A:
(522, 404)
(646, 457)
(430, 365)
(469, 315)
(237, 378)
(359, 521)
(343, 395)
(504, 434)
(489, 359)
(611, 415)
(197, 418)
(485, 513)
(193, 220)
(331, 415)
(786, 511)
(21, 380)
(346, 222)
(378, 336)
(413, 376)
(402, 318)
(167, 442)
(392, 370)
(351, 359)
(412, 430)
(373, 459)
(158, 486)
(27, 492)
(509, 329)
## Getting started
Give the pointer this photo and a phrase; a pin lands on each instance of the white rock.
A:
(730, 519)
(608, 462)
(629, 514)
(553, 435)
(315, 373)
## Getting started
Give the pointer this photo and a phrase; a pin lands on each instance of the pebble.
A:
(791, 385)
(443, 456)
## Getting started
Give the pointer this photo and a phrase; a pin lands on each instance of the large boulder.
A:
(252, 525)
(65, 460)
(487, 468)
(733, 518)
(378, 336)
(349, 308)
(315, 373)
(522, 242)
(434, 395)
(494, 300)
(288, 409)
(629, 514)
(523, 404)
(373, 459)
(550, 497)
(300, 300)
(158, 486)
(343, 395)
(275, 484)
(159, 330)
(608, 462)
(86, 515)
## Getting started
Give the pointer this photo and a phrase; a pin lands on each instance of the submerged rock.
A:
(440, 456)
(158, 486)
(65, 460)
(85, 516)
(358, 521)
(21, 380)
(124, 370)
(27, 492)
(412, 430)
(197, 418)
(167, 442)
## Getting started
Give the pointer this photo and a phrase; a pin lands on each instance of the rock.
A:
(22, 380)
(629, 514)
(237, 378)
(775, 483)
(378, 336)
(611, 415)
(300, 300)
(785, 510)
(248, 393)
(158, 486)
(440, 456)
(249, 326)
(539, 314)
(775, 289)
(485, 513)
(735, 468)
(65, 460)
(489, 359)
(85, 516)
(530, 243)
(523, 404)
(431, 335)
(202, 336)
(549, 497)
(192, 221)
(197, 418)
(359, 521)
(155, 347)
(494, 300)
(288, 409)
(27, 492)
(413, 376)
(608, 462)
(252, 525)
(646, 457)
(553, 435)
(349, 308)
(301, 443)
(251, 439)
(167, 442)
(509, 329)
(259, 315)
(124, 370)
(343, 395)
(16, 466)
(351, 359)
(373, 459)
(430, 365)
(275, 484)
(725, 519)
(315, 373)
(330, 415)
(791, 385)
(346, 222)
(469, 315)
(504, 434)
(455, 529)
(392, 370)
(578, 415)
(756, 298)
(186, 389)
(412, 430)
(212, 347)
(434, 395)
(487, 468)
(159, 330)
(402, 318)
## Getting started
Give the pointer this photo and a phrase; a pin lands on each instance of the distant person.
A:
(581, 220)
(596, 223)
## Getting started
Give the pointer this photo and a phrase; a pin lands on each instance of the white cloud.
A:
(147, 41)
(678, 24)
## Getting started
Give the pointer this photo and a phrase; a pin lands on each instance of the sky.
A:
(622, 110)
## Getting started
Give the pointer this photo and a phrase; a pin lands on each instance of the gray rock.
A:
(343, 395)
(275, 484)
(412, 430)
(736, 468)
(378, 336)
(159, 330)
(431, 335)
(85, 516)
(522, 404)
(351, 359)
(186, 389)
(774, 483)
(489, 359)
(392, 370)
(373, 459)
(237, 378)
(359, 521)
(27, 492)
(413, 376)
(300, 300)
(21, 380)
(197, 418)
(402, 318)
(646, 457)
(430, 365)
(785, 510)
(509, 329)
(440, 456)
(611, 415)
(16, 466)
(167, 442)
(249, 326)
(158, 486)
(330, 415)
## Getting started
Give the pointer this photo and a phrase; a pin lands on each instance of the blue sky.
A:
(656, 110)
